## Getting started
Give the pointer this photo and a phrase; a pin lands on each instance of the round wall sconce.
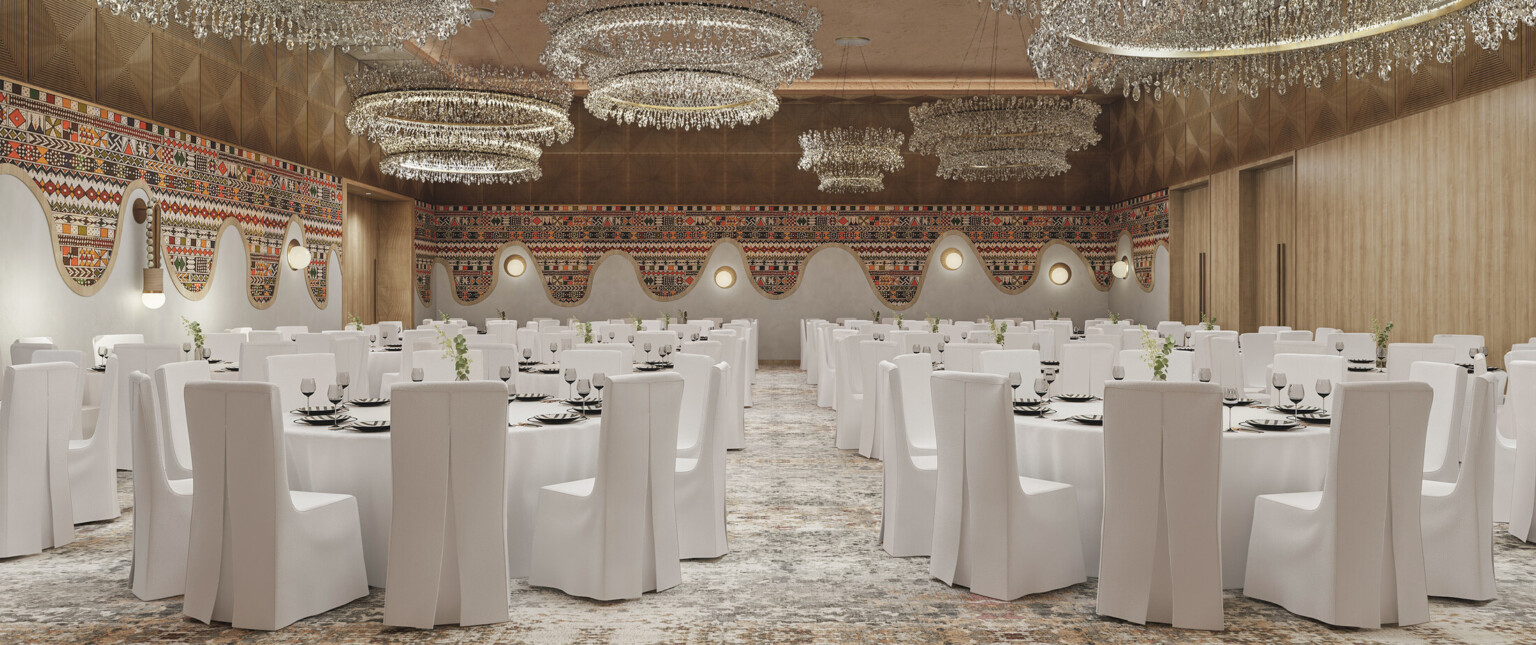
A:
(298, 256)
(725, 277)
(1121, 268)
(1059, 273)
(515, 266)
(951, 259)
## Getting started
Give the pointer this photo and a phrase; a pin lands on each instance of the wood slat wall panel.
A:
(258, 113)
(1371, 101)
(219, 102)
(13, 39)
(320, 137)
(292, 125)
(1481, 70)
(125, 66)
(61, 46)
(177, 84)
(1430, 88)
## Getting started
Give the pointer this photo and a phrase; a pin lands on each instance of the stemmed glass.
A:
(612, 335)
(1338, 346)
(307, 388)
(335, 393)
(964, 335)
(695, 337)
(917, 348)
(1050, 377)
(941, 351)
(1230, 398)
(204, 353)
(527, 354)
(599, 379)
(1042, 387)
(570, 380)
(102, 352)
(186, 351)
(344, 379)
(1278, 381)
(1015, 379)
(1296, 393)
(583, 388)
(647, 349)
(373, 339)
(1324, 387)
(1188, 337)
(1205, 375)
(1381, 357)
(418, 375)
(506, 375)
(1118, 372)
(554, 350)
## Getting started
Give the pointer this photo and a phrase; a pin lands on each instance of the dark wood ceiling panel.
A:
(13, 39)
(125, 68)
(61, 46)
(177, 84)
(1484, 69)
(1326, 115)
(1371, 101)
(258, 114)
(291, 76)
(320, 136)
(220, 100)
(292, 124)
(1428, 88)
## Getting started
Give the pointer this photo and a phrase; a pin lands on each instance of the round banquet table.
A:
(381, 362)
(1251, 465)
(358, 464)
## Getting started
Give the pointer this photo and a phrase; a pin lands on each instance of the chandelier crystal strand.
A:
(1249, 45)
(1003, 138)
(688, 64)
(454, 157)
(852, 160)
(304, 23)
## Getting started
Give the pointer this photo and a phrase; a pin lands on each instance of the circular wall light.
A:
(298, 256)
(1059, 273)
(951, 259)
(1121, 268)
(515, 265)
(725, 277)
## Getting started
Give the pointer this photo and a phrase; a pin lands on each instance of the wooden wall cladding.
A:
(1187, 138)
(261, 97)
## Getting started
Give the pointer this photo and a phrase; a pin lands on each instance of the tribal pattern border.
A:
(84, 157)
(671, 245)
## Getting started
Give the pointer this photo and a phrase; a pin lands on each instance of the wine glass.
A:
(570, 380)
(335, 393)
(1278, 381)
(1118, 372)
(418, 375)
(1015, 379)
(917, 348)
(583, 388)
(599, 379)
(1050, 377)
(1230, 398)
(1381, 357)
(1296, 393)
(646, 348)
(554, 350)
(186, 351)
(1323, 387)
(941, 350)
(1042, 387)
(527, 354)
(612, 335)
(344, 379)
(964, 335)
(373, 339)
(1205, 375)
(307, 388)
(1338, 346)
(204, 353)
(695, 337)
(1188, 337)
(1035, 346)
(505, 374)
(102, 352)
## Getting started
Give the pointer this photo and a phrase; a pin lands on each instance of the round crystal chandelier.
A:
(682, 63)
(1248, 45)
(304, 23)
(1003, 138)
(418, 100)
(460, 157)
(852, 160)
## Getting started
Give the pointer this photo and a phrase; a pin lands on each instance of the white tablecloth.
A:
(1251, 465)
(358, 464)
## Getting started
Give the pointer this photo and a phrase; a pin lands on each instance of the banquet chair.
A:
(93, 461)
(389, 331)
(953, 333)
(289, 331)
(651, 324)
(288, 372)
(1296, 335)
(1134, 337)
(411, 341)
(1357, 346)
(1324, 334)
(699, 478)
(747, 331)
(657, 340)
(1402, 356)
(1135, 363)
(560, 338)
(264, 336)
(1084, 369)
(1273, 329)
(224, 346)
(36, 503)
(1026, 362)
(1160, 552)
(870, 354)
(626, 351)
(850, 391)
(1444, 439)
(1061, 332)
(1000, 534)
(174, 440)
(1506, 446)
(1461, 344)
(587, 362)
(21, 353)
(1226, 365)
(438, 368)
(1306, 369)
(254, 355)
(1181, 367)
(1018, 340)
(502, 331)
(1323, 554)
(351, 351)
(35, 339)
(1457, 516)
(685, 331)
(448, 523)
(162, 502)
(911, 467)
(1171, 329)
(493, 356)
(307, 343)
(966, 357)
(1200, 340)
(1106, 335)
(615, 535)
(111, 341)
(1308, 347)
(89, 413)
(733, 415)
(528, 338)
(133, 357)
(1258, 355)
(923, 339)
(826, 387)
(1522, 402)
(711, 348)
(298, 553)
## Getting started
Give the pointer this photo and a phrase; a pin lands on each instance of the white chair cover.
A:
(1306, 369)
(924, 339)
(657, 340)
(437, 368)
(1002, 535)
(162, 505)
(286, 554)
(870, 354)
(254, 355)
(264, 336)
(1402, 356)
(826, 385)
(389, 331)
(1181, 367)
(1061, 332)
(711, 348)
(700, 472)
(850, 391)
(111, 341)
(1522, 401)
(133, 357)
(21, 353)
(1322, 554)
(1258, 355)
(1171, 329)
(448, 526)
(1283, 346)
(351, 351)
(1293, 335)
(966, 357)
(1226, 365)
(615, 536)
(1135, 363)
(1357, 346)
(1160, 554)
(625, 350)
(224, 346)
(288, 373)
(90, 411)
(586, 362)
(502, 331)
(307, 343)
(1200, 340)
(733, 418)
(1444, 440)
(1007, 361)
(1084, 369)
(911, 467)
(42, 409)
(93, 459)
(493, 356)
(1458, 517)
(1461, 344)
(1273, 329)
(289, 331)
(1107, 335)
(170, 386)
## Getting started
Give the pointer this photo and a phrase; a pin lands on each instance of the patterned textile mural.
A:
(84, 157)
(425, 252)
(1145, 218)
(671, 245)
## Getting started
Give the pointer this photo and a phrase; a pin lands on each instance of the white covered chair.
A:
(1352, 555)
(171, 382)
(21, 353)
(1000, 534)
(1457, 516)
(826, 384)
(733, 419)
(265, 336)
(1305, 370)
(448, 523)
(1084, 369)
(93, 459)
(297, 554)
(711, 348)
(502, 331)
(1007, 361)
(1402, 356)
(111, 341)
(1293, 335)
(224, 346)
(289, 331)
(911, 465)
(923, 339)
(162, 504)
(656, 340)
(615, 536)
(1443, 440)
(966, 357)
(132, 357)
(1273, 329)
(389, 332)
(1160, 553)
(42, 409)
(1357, 346)
(586, 362)
(1106, 335)
(626, 351)
(1135, 363)
(351, 351)
(850, 391)
(307, 343)
(1522, 401)
(254, 355)
(1226, 363)
(90, 411)
(1308, 347)
(437, 368)
(1461, 344)
(493, 356)
(1013, 339)
(288, 373)
(1061, 332)
(1200, 340)
(870, 354)
(700, 472)
(1171, 329)
(1258, 354)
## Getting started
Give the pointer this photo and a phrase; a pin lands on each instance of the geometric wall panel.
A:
(125, 66)
(13, 38)
(62, 46)
(176, 84)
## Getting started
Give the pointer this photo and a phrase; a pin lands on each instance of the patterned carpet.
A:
(805, 567)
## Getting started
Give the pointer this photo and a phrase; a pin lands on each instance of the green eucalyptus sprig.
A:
(635, 320)
(195, 329)
(682, 316)
(875, 315)
(356, 322)
(1055, 315)
(1114, 318)
(666, 320)
(898, 320)
(1207, 321)
(456, 349)
(933, 324)
(1155, 352)
(501, 313)
(998, 331)
(1382, 333)
(585, 328)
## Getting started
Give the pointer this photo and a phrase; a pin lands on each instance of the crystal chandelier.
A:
(682, 63)
(304, 23)
(461, 157)
(1248, 45)
(1001, 138)
(852, 160)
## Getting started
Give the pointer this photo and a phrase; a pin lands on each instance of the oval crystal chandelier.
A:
(682, 63)
(304, 23)
(1249, 45)
(852, 160)
(458, 158)
(1003, 138)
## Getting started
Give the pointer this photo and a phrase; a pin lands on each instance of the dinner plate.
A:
(1088, 419)
(1037, 411)
(1361, 369)
(548, 369)
(559, 417)
(1031, 402)
(1050, 362)
(1271, 425)
(325, 419)
(99, 368)
(1314, 417)
(393, 348)
(529, 397)
(1240, 402)
(646, 367)
(1296, 409)
(370, 426)
(1075, 398)
(368, 403)
(1362, 361)
(231, 368)
(584, 403)
(319, 410)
